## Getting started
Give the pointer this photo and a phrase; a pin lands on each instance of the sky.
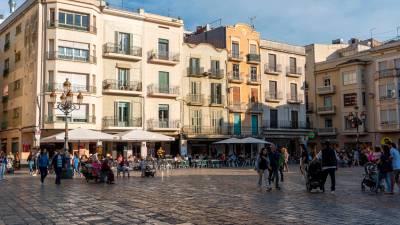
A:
(298, 22)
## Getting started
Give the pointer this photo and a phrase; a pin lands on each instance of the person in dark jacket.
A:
(58, 164)
(43, 164)
(262, 166)
(329, 161)
(274, 159)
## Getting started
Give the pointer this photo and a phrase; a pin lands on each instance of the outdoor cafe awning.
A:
(143, 136)
(248, 140)
(228, 141)
(81, 135)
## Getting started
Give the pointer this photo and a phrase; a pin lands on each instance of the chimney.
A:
(12, 5)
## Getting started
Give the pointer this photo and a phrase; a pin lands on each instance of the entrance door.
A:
(254, 125)
(273, 115)
(237, 124)
(295, 119)
(123, 78)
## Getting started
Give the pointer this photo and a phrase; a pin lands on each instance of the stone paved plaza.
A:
(193, 196)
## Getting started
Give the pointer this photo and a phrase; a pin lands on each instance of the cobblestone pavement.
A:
(193, 196)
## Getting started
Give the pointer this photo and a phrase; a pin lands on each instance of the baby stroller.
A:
(90, 172)
(370, 177)
(149, 168)
(313, 176)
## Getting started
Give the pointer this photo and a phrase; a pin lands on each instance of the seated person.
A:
(107, 172)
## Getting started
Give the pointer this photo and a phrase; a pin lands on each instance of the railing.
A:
(253, 58)
(216, 74)
(353, 130)
(109, 121)
(4, 125)
(55, 55)
(167, 56)
(327, 131)
(74, 87)
(294, 70)
(236, 56)
(217, 100)
(244, 131)
(254, 78)
(111, 84)
(255, 106)
(326, 89)
(163, 124)
(235, 77)
(205, 130)
(195, 71)
(268, 68)
(51, 119)
(6, 71)
(118, 49)
(163, 89)
(387, 97)
(291, 98)
(56, 24)
(195, 99)
(390, 125)
(6, 45)
(273, 96)
(326, 109)
(235, 107)
(286, 124)
(393, 72)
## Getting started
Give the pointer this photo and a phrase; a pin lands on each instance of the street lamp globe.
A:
(80, 98)
(67, 86)
(63, 98)
(70, 96)
(53, 97)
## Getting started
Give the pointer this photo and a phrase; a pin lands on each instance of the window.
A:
(253, 49)
(236, 72)
(122, 111)
(194, 66)
(216, 121)
(163, 49)
(50, 111)
(235, 49)
(254, 95)
(79, 82)
(73, 20)
(328, 101)
(215, 67)
(17, 56)
(253, 73)
(350, 99)
(195, 90)
(17, 85)
(195, 120)
(349, 77)
(163, 115)
(163, 82)
(364, 100)
(272, 62)
(123, 78)
(7, 64)
(73, 53)
(273, 89)
(123, 42)
(216, 93)
(293, 65)
(16, 113)
(52, 16)
(327, 82)
(293, 91)
(328, 122)
(7, 42)
(15, 145)
(382, 65)
(18, 29)
(273, 117)
(387, 91)
(236, 95)
(388, 116)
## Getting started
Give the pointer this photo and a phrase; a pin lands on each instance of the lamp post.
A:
(357, 120)
(66, 105)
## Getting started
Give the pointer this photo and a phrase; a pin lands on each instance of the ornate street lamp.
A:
(66, 105)
(357, 120)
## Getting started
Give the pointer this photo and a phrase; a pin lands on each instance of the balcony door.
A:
(295, 119)
(163, 49)
(254, 125)
(236, 95)
(273, 118)
(237, 124)
(163, 82)
(123, 42)
(328, 101)
(272, 62)
(195, 91)
(253, 73)
(194, 66)
(273, 89)
(215, 67)
(123, 112)
(236, 72)
(196, 121)
(235, 49)
(254, 95)
(216, 93)
(293, 91)
(293, 65)
(163, 116)
(123, 78)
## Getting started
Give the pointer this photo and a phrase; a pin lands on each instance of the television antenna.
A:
(252, 19)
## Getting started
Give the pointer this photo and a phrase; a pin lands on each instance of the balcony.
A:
(235, 77)
(235, 56)
(6, 46)
(237, 107)
(388, 97)
(353, 131)
(325, 90)
(253, 58)
(58, 87)
(327, 131)
(245, 131)
(57, 56)
(56, 24)
(309, 107)
(294, 99)
(326, 110)
(166, 58)
(52, 119)
(389, 126)
(216, 74)
(114, 122)
(217, 100)
(195, 99)
(116, 51)
(163, 125)
(6, 71)
(387, 73)
(286, 124)
(4, 125)
(205, 130)
(196, 72)
(272, 69)
(163, 91)
(254, 79)
(273, 96)
(294, 71)
(111, 86)
(255, 107)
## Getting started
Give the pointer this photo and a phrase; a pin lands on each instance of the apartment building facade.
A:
(283, 87)
(124, 63)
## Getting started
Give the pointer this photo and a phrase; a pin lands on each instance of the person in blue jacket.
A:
(43, 164)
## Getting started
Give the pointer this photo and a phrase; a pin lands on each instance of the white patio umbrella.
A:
(229, 141)
(80, 135)
(251, 140)
(143, 136)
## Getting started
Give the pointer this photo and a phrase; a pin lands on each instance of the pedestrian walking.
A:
(76, 164)
(30, 163)
(262, 166)
(356, 157)
(58, 165)
(3, 165)
(282, 162)
(305, 158)
(274, 159)
(43, 164)
(285, 153)
(395, 156)
(385, 169)
(329, 161)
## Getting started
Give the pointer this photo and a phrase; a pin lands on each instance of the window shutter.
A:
(115, 112)
(116, 38)
(130, 43)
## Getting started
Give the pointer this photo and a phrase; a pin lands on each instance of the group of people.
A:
(270, 164)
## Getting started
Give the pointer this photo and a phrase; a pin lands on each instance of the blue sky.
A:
(292, 21)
